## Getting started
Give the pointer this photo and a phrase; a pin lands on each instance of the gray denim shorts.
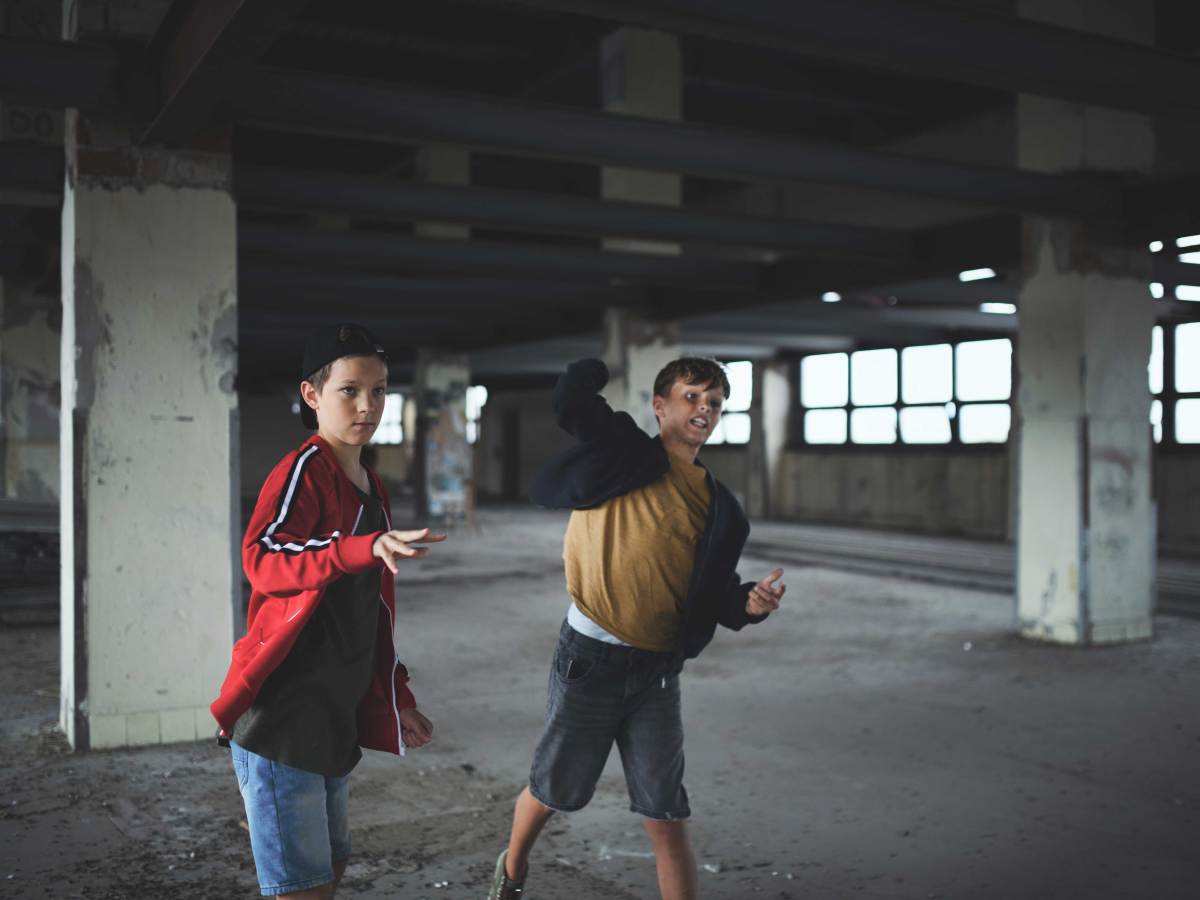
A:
(600, 693)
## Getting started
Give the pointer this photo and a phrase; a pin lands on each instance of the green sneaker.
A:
(503, 887)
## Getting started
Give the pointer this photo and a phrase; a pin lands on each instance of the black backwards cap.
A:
(325, 345)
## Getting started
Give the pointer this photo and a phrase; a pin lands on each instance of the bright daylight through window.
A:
(391, 423)
(928, 394)
(734, 427)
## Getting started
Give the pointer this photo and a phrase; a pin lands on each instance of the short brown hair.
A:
(691, 370)
(318, 378)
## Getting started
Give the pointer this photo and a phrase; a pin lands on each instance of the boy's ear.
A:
(656, 403)
(308, 393)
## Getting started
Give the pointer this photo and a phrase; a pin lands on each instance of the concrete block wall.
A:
(1177, 493)
(269, 429)
(538, 438)
(938, 492)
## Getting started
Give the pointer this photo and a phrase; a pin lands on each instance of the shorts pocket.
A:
(572, 667)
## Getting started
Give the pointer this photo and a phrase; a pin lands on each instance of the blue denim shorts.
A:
(601, 694)
(298, 822)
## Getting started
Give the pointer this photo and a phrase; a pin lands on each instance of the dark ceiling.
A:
(806, 126)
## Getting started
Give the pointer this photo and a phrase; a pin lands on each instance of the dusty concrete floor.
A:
(852, 746)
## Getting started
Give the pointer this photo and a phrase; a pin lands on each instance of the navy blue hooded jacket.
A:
(613, 457)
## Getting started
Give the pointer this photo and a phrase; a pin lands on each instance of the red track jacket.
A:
(299, 541)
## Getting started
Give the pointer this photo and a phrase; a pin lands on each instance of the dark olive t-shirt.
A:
(305, 714)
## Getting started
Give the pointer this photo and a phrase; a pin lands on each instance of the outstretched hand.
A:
(764, 597)
(415, 730)
(392, 546)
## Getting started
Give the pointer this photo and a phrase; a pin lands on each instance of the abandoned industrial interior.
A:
(948, 253)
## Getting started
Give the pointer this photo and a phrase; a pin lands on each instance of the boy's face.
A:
(689, 412)
(350, 403)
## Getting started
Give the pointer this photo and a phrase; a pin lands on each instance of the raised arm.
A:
(580, 409)
(283, 551)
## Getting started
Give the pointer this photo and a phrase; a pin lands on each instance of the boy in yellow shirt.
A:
(650, 555)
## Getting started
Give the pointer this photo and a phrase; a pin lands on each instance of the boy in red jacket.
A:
(316, 675)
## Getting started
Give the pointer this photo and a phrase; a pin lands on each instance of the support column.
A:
(642, 75)
(635, 350)
(1085, 526)
(770, 420)
(149, 466)
(444, 458)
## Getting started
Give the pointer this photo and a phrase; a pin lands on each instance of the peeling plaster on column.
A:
(1084, 575)
(125, 168)
(92, 332)
(635, 350)
(217, 348)
(1084, 517)
(446, 468)
(150, 327)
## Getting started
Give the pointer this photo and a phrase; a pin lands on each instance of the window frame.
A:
(748, 411)
(955, 443)
(1170, 394)
(404, 437)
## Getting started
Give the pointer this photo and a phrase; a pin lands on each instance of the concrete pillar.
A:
(443, 457)
(1085, 526)
(770, 420)
(441, 164)
(642, 75)
(149, 439)
(29, 392)
(635, 350)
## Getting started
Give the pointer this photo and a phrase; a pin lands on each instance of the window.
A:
(1187, 358)
(873, 425)
(1187, 421)
(873, 378)
(825, 426)
(734, 427)
(928, 394)
(391, 424)
(825, 380)
(983, 370)
(1155, 367)
(925, 425)
(1185, 380)
(477, 396)
(927, 373)
(984, 423)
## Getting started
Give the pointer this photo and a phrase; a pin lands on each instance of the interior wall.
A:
(730, 465)
(948, 492)
(1177, 492)
(269, 429)
(936, 491)
(538, 437)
